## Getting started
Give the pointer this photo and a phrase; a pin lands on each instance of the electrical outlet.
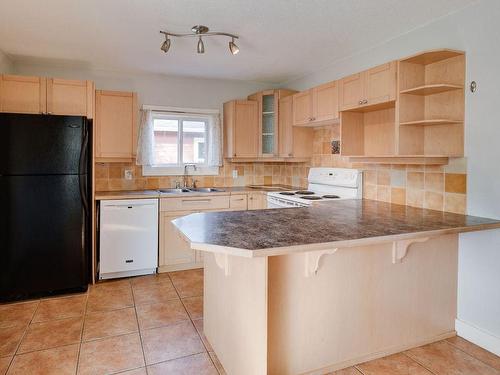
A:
(235, 173)
(128, 174)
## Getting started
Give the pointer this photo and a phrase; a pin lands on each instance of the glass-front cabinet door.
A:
(269, 125)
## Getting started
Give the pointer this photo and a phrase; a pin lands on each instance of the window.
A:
(179, 140)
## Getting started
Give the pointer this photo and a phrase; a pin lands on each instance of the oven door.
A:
(275, 202)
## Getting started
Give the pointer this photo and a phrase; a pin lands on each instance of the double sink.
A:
(191, 190)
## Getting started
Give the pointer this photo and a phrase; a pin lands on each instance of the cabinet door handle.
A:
(365, 101)
(360, 101)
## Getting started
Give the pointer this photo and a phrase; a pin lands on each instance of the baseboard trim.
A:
(478, 336)
(382, 353)
(180, 267)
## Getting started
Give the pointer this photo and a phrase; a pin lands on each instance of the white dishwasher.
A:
(128, 237)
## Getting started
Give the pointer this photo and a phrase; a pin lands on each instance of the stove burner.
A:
(287, 193)
(311, 197)
(331, 196)
(304, 192)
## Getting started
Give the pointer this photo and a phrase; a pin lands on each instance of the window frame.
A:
(178, 168)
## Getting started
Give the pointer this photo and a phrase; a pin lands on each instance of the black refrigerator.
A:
(44, 205)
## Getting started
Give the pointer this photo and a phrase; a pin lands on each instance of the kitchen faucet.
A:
(186, 174)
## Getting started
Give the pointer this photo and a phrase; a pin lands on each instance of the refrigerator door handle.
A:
(83, 167)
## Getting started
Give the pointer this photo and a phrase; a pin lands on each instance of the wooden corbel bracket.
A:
(400, 248)
(312, 259)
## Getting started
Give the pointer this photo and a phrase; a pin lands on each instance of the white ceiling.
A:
(280, 39)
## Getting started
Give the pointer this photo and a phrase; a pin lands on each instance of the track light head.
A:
(165, 45)
(233, 47)
(201, 47)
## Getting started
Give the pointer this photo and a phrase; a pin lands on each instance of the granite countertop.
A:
(343, 223)
(142, 194)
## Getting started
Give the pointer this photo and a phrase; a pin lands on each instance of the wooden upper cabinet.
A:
(294, 141)
(302, 108)
(241, 129)
(115, 125)
(371, 87)
(325, 102)
(22, 94)
(380, 84)
(317, 105)
(70, 97)
(38, 95)
(285, 126)
(351, 91)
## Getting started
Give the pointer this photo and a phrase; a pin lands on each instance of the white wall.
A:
(475, 30)
(154, 89)
(5, 63)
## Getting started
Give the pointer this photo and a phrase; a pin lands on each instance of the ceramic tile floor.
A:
(154, 324)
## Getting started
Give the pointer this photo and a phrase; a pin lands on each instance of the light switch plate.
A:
(128, 174)
(235, 173)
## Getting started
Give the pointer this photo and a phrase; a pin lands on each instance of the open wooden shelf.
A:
(401, 159)
(431, 89)
(431, 57)
(318, 124)
(373, 107)
(431, 103)
(430, 122)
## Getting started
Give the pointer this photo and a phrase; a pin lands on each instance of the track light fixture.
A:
(233, 47)
(166, 44)
(200, 48)
(199, 31)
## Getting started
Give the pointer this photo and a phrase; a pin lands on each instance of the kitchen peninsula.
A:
(312, 290)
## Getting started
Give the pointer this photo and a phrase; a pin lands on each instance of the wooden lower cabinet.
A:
(238, 202)
(257, 201)
(175, 252)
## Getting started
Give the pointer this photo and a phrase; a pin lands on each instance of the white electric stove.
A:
(325, 184)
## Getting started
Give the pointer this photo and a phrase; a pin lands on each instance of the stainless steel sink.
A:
(207, 190)
(191, 190)
(175, 191)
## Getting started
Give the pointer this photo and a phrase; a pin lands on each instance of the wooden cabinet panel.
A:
(174, 250)
(294, 141)
(238, 202)
(257, 201)
(286, 127)
(373, 86)
(351, 91)
(325, 102)
(241, 128)
(70, 97)
(116, 125)
(302, 108)
(380, 84)
(187, 203)
(22, 94)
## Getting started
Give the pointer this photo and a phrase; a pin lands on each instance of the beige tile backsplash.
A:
(110, 176)
(440, 188)
(435, 187)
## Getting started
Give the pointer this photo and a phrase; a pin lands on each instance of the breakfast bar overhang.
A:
(312, 290)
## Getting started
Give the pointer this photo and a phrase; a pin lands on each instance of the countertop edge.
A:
(148, 194)
(336, 244)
